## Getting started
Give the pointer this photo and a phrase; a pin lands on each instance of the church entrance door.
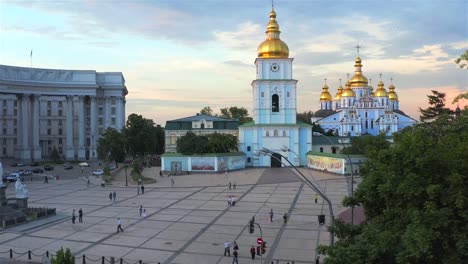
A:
(276, 160)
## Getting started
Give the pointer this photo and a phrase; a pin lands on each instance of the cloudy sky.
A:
(178, 56)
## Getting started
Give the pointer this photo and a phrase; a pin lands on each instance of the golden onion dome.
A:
(325, 96)
(392, 95)
(358, 80)
(381, 92)
(338, 94)
(348, 92)
(273, 47)
(372, 91)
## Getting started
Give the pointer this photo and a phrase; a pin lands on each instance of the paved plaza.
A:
(187, 223)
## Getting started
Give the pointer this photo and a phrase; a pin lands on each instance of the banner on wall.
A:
(203, 164)
(231, 163)
(325, 163)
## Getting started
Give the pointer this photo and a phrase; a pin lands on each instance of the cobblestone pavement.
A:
(187, 223)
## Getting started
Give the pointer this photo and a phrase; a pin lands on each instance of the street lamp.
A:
(267, 152)
(350, 164)
(285, 148)
(126, 178)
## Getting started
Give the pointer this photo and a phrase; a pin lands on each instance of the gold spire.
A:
(358, 79)
(371, 88)
(381, 92)
(392, 95)
(273, 47)
(348, 92)
(340, 91)
(325, 96)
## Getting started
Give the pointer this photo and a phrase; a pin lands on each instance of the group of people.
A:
(232, 201)
(235, 254)
(112, 196)
(80, 216)
(232, 186)
(142, 211)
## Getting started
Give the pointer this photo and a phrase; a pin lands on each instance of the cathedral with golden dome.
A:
(357, 110)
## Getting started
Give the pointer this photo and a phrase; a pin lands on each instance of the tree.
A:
(62, 257)
(206, 111)
(462, 61)
(460, 97)
(415, 199)
(436, 107)
(367, 145)
(305, 117)
(112, 146)
(234, 112)
(143, 136)
(190, 143)
(54, 154)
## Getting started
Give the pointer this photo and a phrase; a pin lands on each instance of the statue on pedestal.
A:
(21, 191)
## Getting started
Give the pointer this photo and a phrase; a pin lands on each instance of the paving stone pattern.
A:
(185, 224)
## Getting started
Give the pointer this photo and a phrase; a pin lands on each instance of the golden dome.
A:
(325, 96)
(381, 92)
(358, 79)
(348, 92)
(372, 91)
(273, 47)
(338, 94)
(392, 95)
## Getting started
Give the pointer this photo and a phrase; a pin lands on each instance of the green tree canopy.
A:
(191, 143)
(112, 146)
(462, 61)
(436, 107)
(305, 117)
(367, 145)
(143, 136)
(234, 112)
(206, 111)
(415, 199)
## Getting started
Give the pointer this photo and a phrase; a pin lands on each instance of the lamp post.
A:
(267, 152)
(350, 164)
(126, 178)
(285, 148)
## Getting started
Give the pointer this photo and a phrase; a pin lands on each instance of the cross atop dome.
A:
(357, 47)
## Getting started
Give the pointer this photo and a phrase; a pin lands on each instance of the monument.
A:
(8, 214)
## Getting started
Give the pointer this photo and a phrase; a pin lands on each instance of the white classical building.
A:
(43, 109)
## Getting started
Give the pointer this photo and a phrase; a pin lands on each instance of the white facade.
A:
(42, 109)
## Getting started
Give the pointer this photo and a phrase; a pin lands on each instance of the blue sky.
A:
(178, 56)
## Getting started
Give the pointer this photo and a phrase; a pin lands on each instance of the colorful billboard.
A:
(203, 164)
(325, 163)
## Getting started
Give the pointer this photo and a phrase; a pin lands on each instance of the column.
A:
(93, 128)
(36, 154)
(19, 127)
(106, 117)
(120, 116)
(26, 156)
(81, 128)
(70, 152)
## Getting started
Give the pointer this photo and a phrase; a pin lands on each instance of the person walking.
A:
(285, 217)
(252, 252)
(73, 216)
(46, 179)
(141, 209)
(142, 189)
(160, 174)
(80, 215)
(138, 189)
(271, 215)
(229, 185)
(119, 225)
(144, 212)
(235, 246)
(317, 260)
(172, 182)
(234, 257)
(110, 196)
(227, 248)
(234, 186)
(114, 195)
(316, 198)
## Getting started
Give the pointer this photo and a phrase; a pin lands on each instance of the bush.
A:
(63, 257)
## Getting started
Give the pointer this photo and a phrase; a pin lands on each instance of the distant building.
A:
(43, 109)
(198, 124)
(358, 110)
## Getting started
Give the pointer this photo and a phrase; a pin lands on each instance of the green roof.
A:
(186, 123)
(331, 155)
(174, 154)
(252, 124)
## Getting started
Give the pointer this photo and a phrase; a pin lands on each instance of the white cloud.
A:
(245, 37)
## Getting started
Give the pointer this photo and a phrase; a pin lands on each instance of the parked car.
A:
(83, 164)
(20, 164)
(34, 164)
(48, 167)
(98, 172)
(67, 166)
(37, 170)
(26, 172)
(13, 177)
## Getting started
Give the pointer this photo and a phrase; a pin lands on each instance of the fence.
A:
(83, 259)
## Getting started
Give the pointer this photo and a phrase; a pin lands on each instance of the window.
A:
(60, 122)
(263, 94)
(15, 103)
(15, 112)
(60, 131)
(101, 110)
(60, 112)
(4, 131)
(49, 104)
(100, 121)
(248, 160)
(4, 152)
(366, 114)
(49, 112)
(60, 141)
(48, 132)
(321, 149)
(248, 148)
(275, 133)
(334, 150)
(113, 100)
(60, 150)
(49, 122)
(372, 124)
(367, 123)
(113, 110)
(267, 133)
(275, 103)
(202, 126)
(15, 132)
(288, 94)
(113, 121)
(352, 128)
(284, 133)
(15, 122)
(60, 103)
